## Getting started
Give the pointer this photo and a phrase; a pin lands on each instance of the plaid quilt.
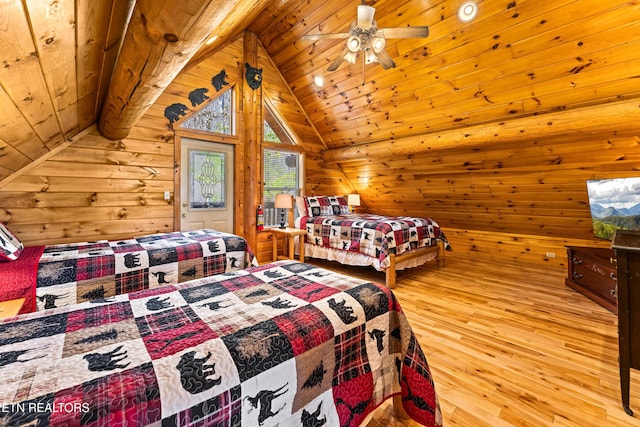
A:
(373, 235)
(79, 272)
(284, 344)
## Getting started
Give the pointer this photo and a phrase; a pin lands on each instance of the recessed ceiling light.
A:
(467, 11)
(319, 81)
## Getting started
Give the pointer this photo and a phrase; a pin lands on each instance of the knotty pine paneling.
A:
(516, 59)
(548, 252)
(57, 27)
(514, 201)
(320, 177)
(102, 189)
(94, 189)
(57, 60)
(99, 32)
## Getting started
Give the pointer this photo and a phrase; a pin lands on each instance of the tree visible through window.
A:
(281, 166)
(216, 116)
(269, 134)
(280, 173)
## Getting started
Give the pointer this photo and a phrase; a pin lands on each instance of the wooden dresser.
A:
(627, 248)
(592, 272)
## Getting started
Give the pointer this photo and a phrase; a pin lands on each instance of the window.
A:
(274, 131)
(216, 116)
(281, 175)
(281, 166)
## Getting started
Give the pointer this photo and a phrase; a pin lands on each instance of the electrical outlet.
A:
(550, 254)
(167, 195)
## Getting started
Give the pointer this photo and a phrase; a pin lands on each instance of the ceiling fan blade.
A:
(385, 60)
(365, 16)
(314, 37)
(336, 62)
(405, 32)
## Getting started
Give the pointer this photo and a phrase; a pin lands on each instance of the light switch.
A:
(167, 195)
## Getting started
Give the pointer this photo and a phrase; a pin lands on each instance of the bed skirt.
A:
(360, 260)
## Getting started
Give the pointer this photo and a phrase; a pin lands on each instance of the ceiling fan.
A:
(364, 35)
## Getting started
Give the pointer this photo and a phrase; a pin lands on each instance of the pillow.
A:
(317, 206)
(10, 246)
(301, 206)
(339, 205)
(325, 205)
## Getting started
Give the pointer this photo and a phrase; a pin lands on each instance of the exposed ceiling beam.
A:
(620, 117)
(162, 36)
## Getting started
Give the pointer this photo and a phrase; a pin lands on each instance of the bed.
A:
(285, 343)
(56, 275)
(387, 243)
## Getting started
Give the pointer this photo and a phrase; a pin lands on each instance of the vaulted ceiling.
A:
(518, 58)
(61, 72)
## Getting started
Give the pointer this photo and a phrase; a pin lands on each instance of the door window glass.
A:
(206, 179)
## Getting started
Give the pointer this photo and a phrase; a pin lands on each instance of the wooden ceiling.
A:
(518, 58)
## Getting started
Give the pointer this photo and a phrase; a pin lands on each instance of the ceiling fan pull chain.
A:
(362, 70)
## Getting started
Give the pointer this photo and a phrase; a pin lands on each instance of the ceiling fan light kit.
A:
(365, 36)
(354, 44)
(378, 43)
(365, 15)
(350, 57)
(370, 57)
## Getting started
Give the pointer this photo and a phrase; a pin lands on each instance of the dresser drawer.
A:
(592, 271)
(601, 278)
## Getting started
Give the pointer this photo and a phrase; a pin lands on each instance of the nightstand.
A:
(288, 234)
(10, 308)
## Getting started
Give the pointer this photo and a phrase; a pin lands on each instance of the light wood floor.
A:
(510, 346)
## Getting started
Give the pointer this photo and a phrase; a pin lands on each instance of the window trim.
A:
(294, 145)
(283, 148)
(295, 141)
(177, 125)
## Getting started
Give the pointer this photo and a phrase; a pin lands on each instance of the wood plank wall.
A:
(320, 177)
(518, 201)
(102, 189)
(94, 189)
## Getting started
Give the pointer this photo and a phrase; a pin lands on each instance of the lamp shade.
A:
(353, 199)
(284, 201)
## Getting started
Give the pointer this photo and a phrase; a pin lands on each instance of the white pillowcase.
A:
(10, 246)
(302, 207)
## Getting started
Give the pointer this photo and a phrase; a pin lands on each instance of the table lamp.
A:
(353, 200)
(284, 202)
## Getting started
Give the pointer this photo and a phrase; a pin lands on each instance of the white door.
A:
(206, 185)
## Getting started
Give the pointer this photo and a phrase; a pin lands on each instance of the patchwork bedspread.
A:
(281, 344)
(373, 235)
(70, 273)
(86, 271)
